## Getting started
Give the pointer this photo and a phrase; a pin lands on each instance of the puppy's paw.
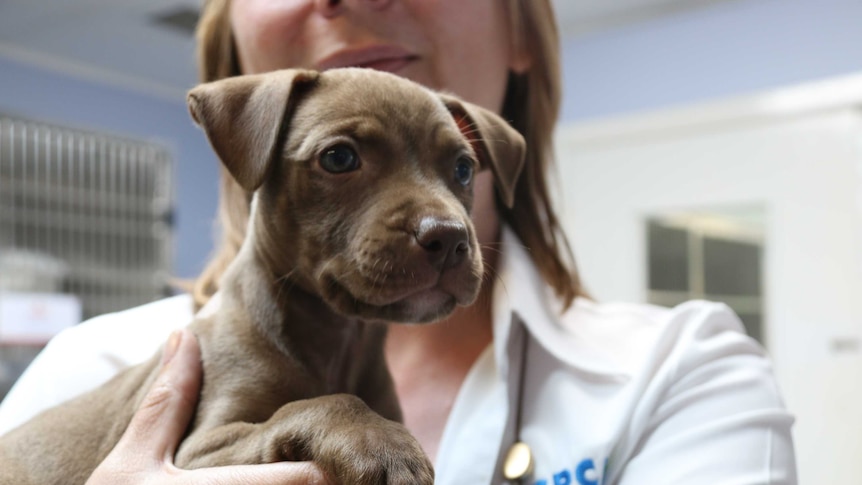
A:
(384, 453)
(350, 442)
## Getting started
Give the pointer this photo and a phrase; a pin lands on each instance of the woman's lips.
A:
(382, 58)
(388, 65)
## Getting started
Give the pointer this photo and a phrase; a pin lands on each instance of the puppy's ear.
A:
(499, 146)
(244, 118)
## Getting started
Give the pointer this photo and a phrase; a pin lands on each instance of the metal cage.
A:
(97, 207)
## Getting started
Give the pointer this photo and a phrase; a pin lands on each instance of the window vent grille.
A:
(90, 211)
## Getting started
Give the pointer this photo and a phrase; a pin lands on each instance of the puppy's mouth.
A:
(433, 298)
(420, 306)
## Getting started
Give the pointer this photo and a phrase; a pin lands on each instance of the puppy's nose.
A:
(446, 242)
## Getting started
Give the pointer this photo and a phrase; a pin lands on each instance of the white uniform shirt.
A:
(614, 393)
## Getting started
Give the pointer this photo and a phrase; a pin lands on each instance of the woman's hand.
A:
(145, 452)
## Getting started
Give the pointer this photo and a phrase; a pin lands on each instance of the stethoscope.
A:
(519, 463)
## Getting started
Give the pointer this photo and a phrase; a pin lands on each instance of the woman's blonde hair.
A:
(531, 105)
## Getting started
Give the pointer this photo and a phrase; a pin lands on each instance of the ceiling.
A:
(120, 42)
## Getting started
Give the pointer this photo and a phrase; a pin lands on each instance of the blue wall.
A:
(48, 96)
(728, 48)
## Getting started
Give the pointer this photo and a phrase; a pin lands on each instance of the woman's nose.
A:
(331, 8)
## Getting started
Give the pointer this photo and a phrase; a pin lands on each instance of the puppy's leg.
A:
(12, 470)
(349, 441)
(64, 444)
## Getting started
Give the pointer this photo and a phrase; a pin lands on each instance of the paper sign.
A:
(33, 318)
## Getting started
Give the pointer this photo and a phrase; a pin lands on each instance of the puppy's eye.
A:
(464, 171)
(339, 159)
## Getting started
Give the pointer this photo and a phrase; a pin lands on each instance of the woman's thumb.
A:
(163, 416)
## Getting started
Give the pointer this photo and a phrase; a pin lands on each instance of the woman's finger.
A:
(163, 416)
(284, 473)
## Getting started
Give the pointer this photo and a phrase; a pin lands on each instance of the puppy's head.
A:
(363, 184)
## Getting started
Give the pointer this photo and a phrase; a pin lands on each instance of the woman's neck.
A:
(429, 363)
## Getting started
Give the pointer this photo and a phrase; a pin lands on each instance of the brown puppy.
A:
(362, 186)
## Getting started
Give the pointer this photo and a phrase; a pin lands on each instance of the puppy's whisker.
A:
(495, 245)
(486, 247)
(334, 277)
(484, 139)
(285, 278)
(469, 134)
(373, 271)
(382, 275)
(323, 269)
(490, 276)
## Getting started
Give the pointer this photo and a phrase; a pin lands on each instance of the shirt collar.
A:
(522, 297)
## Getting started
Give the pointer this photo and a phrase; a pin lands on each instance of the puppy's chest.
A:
(252, 384)
(251, 391)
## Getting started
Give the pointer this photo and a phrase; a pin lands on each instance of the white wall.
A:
(804, 165)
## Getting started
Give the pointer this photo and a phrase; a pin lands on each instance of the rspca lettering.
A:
(585, 473)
